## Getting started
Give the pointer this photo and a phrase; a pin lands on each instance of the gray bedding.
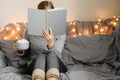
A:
(12, 73)
(94, 57)
(96, 72)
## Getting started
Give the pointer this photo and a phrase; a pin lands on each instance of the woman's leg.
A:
(39, 68)
(52, 67)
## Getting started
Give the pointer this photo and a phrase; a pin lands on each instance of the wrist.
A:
(50, 46)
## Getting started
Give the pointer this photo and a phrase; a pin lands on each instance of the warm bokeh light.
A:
(101, 26)
(73, 30)
(13, 31)
(1, 29)
(99, 20)
(114, 23)
(96, 26)
(101, 30)
(86, 32)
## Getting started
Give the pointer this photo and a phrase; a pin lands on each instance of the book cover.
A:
(43, 19)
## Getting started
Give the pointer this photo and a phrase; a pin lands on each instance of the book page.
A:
(36, 21)
(56, 19)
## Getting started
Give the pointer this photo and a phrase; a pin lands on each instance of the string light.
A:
(106, 25)
(101, 26)
(96, 26)
(73, 30)
(13, 31)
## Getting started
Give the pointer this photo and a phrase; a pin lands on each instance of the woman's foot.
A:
(37, 79)
(52, 78)
(38, 74)
(52, 74)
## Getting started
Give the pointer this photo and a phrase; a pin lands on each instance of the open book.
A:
(43, 19)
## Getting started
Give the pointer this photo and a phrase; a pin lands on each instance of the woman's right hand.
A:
(48, 35)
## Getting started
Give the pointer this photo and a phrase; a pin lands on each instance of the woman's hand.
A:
(48, 35)
(15, 47)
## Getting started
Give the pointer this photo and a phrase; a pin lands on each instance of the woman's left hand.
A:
(15, 47)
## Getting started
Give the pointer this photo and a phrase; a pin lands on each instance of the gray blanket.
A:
(12, 73)
(84, 55)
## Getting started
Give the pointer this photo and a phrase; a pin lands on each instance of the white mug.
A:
(22, 44)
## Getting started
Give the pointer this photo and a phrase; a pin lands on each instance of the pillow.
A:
(93, 48)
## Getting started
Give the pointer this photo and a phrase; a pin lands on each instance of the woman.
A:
(45, 65)
(51, 58)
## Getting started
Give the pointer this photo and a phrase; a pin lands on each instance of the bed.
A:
(86, 57)
(93, 57)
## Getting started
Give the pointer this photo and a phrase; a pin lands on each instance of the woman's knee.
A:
(52, 61)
